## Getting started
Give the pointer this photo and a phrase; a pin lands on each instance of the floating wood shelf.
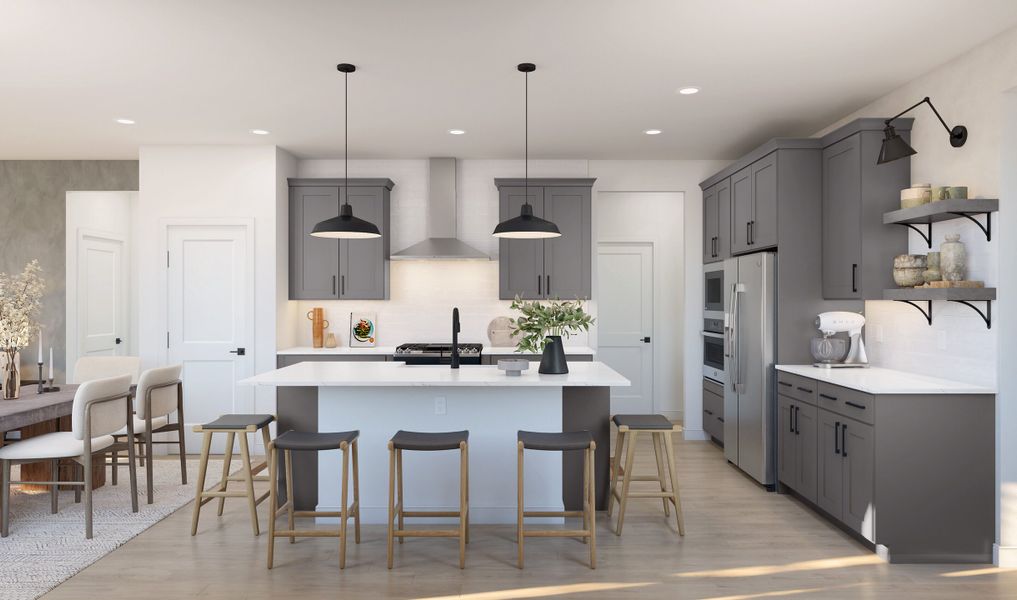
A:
(944, 210)
(963, 296)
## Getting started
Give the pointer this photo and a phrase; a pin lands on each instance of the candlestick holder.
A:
(42, 386)
(50, 387)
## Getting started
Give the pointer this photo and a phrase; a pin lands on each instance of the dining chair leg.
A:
(400, 499)
(226, 464)
(669, 446)
(77, 489)
(391, 499)
(149, 486)
(54, 489)
(116, 467)
(140, 452)
(464, 466)
(183, 451)
(519, 504)
(87, 478)
(356, 494)
(245, 455)
(206, 444)
(273, 501)
(619, 442)
(343, 508)
(132, 474)
(658, 452)
(5, 498)
(630, 453)
(288, 456)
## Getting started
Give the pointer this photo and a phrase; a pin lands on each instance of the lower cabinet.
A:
(713, 410)
(796, 446)
(847, 471)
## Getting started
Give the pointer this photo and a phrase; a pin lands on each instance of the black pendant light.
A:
(894, 146)
(346, 226)
(526, 226)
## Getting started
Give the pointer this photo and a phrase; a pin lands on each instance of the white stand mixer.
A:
(832, 323)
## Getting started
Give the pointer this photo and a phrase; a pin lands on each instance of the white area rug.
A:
(45, 549)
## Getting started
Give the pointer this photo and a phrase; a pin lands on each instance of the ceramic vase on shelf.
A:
(953, 258)
(318, 325)
(552, 361)
(330, 340)
(10, 372)
(932, 270)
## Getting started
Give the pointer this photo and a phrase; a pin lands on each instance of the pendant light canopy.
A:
(346, 226)
(894, 146)
(526, 226)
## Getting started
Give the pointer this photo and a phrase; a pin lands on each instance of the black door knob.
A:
(118, 340)
(239, 351)
(646, 340)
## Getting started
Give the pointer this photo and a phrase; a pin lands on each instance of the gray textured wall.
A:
(32, 225)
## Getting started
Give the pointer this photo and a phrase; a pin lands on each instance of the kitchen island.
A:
(379, 398)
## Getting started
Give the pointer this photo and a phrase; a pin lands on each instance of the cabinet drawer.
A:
(713, 405)
(847, 402)
(797, 387)
(713, 388)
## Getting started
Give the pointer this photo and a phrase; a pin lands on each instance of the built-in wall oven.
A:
(713, 350)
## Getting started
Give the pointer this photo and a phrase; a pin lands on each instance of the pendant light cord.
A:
(346, 137)
(526, 138)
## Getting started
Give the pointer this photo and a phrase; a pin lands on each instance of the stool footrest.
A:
(425, 533)
(438, 513)
(553, 513)
(556, 533)
(306, 533)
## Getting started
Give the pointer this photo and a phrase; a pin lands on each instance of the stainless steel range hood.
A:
(441, 242)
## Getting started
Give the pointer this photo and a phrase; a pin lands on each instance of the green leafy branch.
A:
(540, 320)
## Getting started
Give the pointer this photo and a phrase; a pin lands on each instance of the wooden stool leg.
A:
(54, 467)
(356, 494)
(658, 452)
(273, 501)
(245, 455)
(519, 503)
(619, 442)
(206, 444)
(585, 495)
(400, 499)
(591, 503)
(391, 498)
(288, 455)
(630, 454)
(464, 462)
(227, 462)
(674, 483)
(467, 498)
(344, 510)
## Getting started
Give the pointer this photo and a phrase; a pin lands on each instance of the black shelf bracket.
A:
(926, 312)
(926, 235)
(986, 229)
(986, 316)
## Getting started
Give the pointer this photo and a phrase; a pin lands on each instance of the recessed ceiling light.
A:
(125, 121)
(260, 131)
(688, 91)
(652, 132)
(457, 131)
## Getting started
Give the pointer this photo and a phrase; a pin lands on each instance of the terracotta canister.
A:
(953, 258)
(932, 271)
(318, 326)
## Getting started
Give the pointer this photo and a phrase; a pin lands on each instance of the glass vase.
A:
(11, 378)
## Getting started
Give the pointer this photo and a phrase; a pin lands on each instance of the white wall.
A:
(110, 213)
(969, 90)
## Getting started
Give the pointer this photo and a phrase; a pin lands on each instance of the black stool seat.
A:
(239, 422)
(313, 440)
(643, 421)
(424, 440)
(566, 440)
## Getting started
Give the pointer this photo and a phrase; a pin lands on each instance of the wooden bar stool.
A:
(294, 441)
(428, 442)
(232, 425)
(560, 442)
(660, 428)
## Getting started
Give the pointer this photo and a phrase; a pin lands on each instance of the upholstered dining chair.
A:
(159, 394)
(101, 407)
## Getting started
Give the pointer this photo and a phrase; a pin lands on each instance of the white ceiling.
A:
(193, 72)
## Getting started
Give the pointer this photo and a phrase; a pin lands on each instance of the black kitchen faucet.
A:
(455, 338)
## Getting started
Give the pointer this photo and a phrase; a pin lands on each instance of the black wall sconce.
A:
(895, 147)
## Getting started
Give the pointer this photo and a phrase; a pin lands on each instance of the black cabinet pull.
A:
(790, 419)
(342, 285)
(836, 437)
(797, 410)
(828, 397)
(748, 227)
(784, 383)
(716, 246)
(707, 411)
(752, 232)
(804, 389)
(540, 281)
(549, 286)
(333, 285)
(853, 405)
(843, 440)
(854, 277)
(721, 419)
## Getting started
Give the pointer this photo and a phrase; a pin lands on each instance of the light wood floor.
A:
(741, 543)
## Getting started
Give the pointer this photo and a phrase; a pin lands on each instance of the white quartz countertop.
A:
(390, 350)
(876, 380)
(397, 374)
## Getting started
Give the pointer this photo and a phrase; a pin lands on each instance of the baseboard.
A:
(695, 435)
(1004, 556)
(479, 515)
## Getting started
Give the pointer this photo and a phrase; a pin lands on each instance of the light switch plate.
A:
(440, 405)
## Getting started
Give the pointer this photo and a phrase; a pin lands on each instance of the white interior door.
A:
(102, 295)
(625, 321)
(210, 305)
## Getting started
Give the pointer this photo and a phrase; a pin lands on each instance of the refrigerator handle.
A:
(736, 383)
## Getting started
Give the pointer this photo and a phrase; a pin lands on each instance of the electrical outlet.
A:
(941, 340)
(439, 405)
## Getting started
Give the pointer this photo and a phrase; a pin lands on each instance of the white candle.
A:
(51, 362)
(40, 346)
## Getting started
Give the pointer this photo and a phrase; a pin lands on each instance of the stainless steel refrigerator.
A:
(749, 406)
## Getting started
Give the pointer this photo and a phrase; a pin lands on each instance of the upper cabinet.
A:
(717, 222)
(553, 268)
(754, 206)
(330, 269)
(858, 249)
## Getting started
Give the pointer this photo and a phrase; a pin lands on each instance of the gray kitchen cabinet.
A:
(857, 450)
(331, 269)
(552, 268)
(741, 210)
(787, 443)
(717, 222)
(797, 431)
(858, 249)
(807, 429)
(830, 494)
(764, 203)
(713, 410)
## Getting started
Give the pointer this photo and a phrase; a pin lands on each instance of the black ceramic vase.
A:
(552, 362)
